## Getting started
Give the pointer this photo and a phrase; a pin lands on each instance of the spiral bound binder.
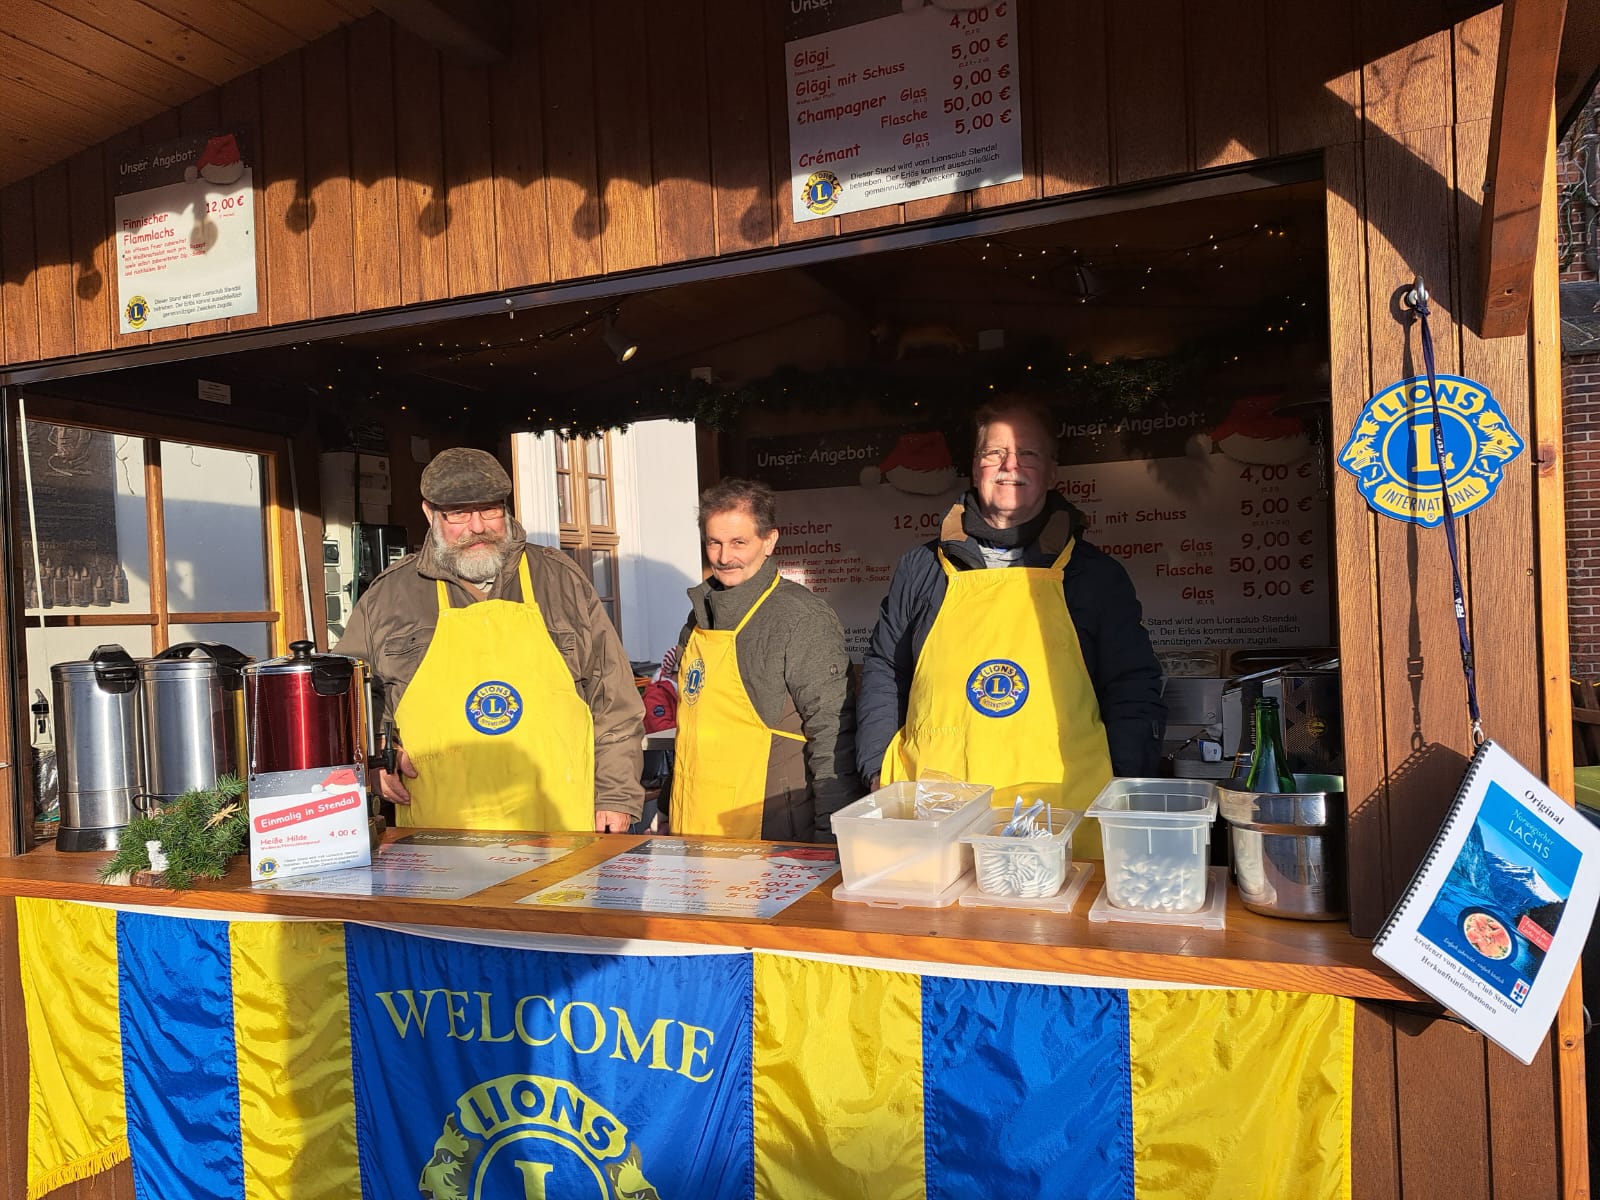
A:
(1492, 923)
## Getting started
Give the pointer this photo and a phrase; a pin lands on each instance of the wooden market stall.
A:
(399, 184)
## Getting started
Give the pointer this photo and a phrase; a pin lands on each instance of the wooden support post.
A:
(1519, 134)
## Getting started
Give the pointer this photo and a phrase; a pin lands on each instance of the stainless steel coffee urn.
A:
(193, 711)
(98, 746)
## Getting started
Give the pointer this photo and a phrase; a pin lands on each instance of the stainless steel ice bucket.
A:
(1289, 847)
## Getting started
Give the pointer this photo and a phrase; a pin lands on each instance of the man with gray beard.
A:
(512, 698)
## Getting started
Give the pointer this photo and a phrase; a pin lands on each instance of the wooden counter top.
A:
(1252, 952)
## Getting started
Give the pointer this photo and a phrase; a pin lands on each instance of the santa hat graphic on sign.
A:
(919, 464)
(1255, 434)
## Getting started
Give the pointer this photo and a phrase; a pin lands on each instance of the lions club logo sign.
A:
(529, 1136)
(694, 680)
(494, 707)
(1393, 455)
(136, 312)
(821, 192)
(997, 688)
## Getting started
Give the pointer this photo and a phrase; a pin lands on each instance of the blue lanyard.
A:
(1418, 298)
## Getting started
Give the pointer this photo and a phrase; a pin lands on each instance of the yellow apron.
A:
(719, 778)
(1000, 695)
(492, 722)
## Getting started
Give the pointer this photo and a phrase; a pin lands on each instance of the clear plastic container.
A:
(885, 849)
(1156, 834)
(1024, 866)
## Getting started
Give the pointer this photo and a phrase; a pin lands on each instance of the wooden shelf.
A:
(1252, 952)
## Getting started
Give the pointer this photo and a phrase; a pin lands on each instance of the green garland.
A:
(199, 832)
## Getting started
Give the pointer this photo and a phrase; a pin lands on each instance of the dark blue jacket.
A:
(1104, 608)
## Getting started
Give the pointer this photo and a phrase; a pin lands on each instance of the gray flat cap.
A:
(461, 476)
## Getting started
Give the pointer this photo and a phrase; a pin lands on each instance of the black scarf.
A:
(974, 526)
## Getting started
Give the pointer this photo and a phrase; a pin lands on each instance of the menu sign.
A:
(441, 865)
(186, 246)
(677, 875)
(305, 822)
(1218, 512)
(895, 100)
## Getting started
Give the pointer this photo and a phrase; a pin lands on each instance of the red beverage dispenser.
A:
(305, 711)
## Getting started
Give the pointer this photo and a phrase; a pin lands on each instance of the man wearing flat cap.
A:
(514, 704)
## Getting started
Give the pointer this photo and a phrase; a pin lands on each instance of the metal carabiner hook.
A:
(1417, 296)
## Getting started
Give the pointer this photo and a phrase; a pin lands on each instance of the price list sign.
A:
(185, 243)
(894, 100)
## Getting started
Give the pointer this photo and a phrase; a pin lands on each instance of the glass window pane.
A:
(250, 637)
(599, 503)
(601, 564)
(611, 611)
(88, 505)
(564, 499)
(595, 455)
(574, 553)
(211, 502)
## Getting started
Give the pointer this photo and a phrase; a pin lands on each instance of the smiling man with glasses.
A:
(512, 698)
(1009, 651)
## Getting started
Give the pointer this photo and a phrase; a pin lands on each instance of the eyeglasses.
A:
(995, 456)
(460, 516)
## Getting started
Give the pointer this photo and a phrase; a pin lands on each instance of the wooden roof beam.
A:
(1519, 137)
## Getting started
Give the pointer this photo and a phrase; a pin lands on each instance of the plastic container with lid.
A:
(888, 853)
(1034, 867)
(1156, 835)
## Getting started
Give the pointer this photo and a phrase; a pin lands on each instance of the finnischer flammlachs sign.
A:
(185, 234)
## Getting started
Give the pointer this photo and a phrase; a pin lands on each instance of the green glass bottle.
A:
(1269, 765)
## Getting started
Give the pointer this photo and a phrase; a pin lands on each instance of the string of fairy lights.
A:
(418, 377)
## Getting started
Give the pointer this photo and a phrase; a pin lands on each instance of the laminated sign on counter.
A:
(306, 822)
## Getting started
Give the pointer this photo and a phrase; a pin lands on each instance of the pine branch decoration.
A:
(199, 832)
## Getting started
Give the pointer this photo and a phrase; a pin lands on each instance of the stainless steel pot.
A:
(193, 706)
(1288, 847)
(98, 746)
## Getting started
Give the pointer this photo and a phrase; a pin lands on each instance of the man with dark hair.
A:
(514, 702)
(1009, 651)
(766, 735)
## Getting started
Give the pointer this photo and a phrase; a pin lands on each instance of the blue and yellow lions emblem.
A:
(694, 680)
(997, 688)
(1396, 462)
(530, 1137)
(494, 707)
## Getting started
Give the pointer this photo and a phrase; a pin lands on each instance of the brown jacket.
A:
(393, 622)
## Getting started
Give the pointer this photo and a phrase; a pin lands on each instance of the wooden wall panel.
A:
(94, 279)
(571, 176)
(19, 296)
(419, 147)
(1149, 121)
(52, 233)
(522, 232)
(1227, 64)
(1406, 79)
(623, 132)
(1439, 1073)
(1313, 76)
(680, 132)
(1073, 128)
(469, 180)
(373, 165)
(241, 109)
(737, 94)
(1374, 1107)
(286, 204)
(330, 217)
(1355, 549)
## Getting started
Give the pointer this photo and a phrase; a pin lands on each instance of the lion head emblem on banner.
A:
(529, 1137)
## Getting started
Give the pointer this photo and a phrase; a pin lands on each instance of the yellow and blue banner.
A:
(246, 1060)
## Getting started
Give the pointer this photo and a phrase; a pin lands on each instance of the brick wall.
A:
(1580, 399)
